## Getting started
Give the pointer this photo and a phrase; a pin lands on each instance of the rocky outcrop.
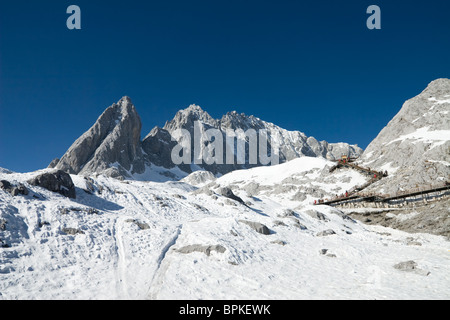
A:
(14, 190)
(325, 233)
(111, 146)
(201, 248)
(58, 181)
(258, 227)
(411, 266)
(414, 147)
(158, 146)
(228, 193)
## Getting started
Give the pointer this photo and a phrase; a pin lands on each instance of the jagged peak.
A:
(188, 116)
(120, 111)
(195, 110)
(437, 87)
(125, 99)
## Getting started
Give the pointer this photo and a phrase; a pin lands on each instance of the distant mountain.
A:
(414, 147)
(112, 146)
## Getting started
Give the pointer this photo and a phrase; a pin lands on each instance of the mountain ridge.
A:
(112, 146)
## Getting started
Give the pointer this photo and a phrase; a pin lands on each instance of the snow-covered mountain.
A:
(241, 233)
(112, 145)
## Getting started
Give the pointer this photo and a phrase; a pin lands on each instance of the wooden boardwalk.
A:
(387, 198)
(353, 195)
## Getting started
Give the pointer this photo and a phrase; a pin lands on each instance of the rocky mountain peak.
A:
(111, 145)
(184, 119)
(234, 120)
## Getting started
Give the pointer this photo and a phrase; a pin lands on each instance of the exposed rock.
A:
(111, 146)
(325, 253)
(414, 146)
(72, 231)
(258, 227)
(324, 233)
(411, 266)
(5, 185)
(158, 146)
(54, 163)
(234, 127)
(317, 215)
(13, 189)
(433, 218)
(298, 224)
(199, 177)
(280, 242)
(141, 225)
(3, 223)
(286, 213)
(203, 249)
(58, 181)
(226, 192)
(277, 223)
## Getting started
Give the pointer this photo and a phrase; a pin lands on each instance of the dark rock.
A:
(3, 223)
(226, 192)
(58, 181)
(5, 185)
(13, 189)
(20, 189)
(72, 231)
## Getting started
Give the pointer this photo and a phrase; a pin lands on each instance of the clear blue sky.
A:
(311, 66)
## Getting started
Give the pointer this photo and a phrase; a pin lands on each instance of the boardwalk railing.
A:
(375, 197)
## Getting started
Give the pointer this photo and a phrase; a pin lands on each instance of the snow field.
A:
(130, 237)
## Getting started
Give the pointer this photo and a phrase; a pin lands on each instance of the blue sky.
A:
(311, 66)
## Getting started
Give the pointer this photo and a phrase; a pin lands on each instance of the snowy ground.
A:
(133, 237)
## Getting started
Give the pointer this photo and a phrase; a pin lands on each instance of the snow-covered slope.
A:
(173, 240)
(296, 183)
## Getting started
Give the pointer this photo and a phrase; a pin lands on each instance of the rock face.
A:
(111, 146)
(415, 145)
(58, 181)
(13, 189)
(203, 249)
(258, 227)
(233, 129)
